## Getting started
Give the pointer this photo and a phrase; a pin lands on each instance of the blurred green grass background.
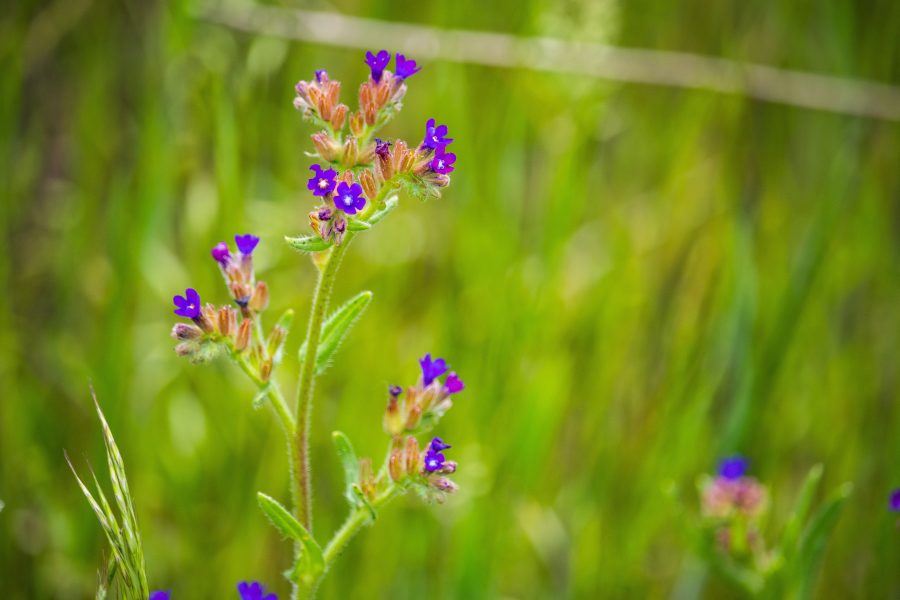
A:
(632, 280)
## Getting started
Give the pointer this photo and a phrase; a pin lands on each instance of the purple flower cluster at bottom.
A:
(248, 591)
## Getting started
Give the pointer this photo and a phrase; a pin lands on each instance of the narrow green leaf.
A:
(815, 537)
(336, 328)
(358, 225)
(307, 243)
(310, 563)
(389, 205)
(798, 516)
(349, 462)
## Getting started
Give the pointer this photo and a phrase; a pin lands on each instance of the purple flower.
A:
(438, 445)
(349, 198)
(454, 384)
(406, 68)
(733, 467)
(434, 461)
(377, 63)
(443, 161)
(395, 390)
(322, 182)
(188, 305)
(435, 136)
(382, 148)
(321, 75)
(160, 595)
(246, 243)
(254, 591)
(431, 369)
(220, 253)
(894, 501)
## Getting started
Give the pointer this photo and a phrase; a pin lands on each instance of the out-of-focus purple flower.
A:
(438, 445)
(246, 243)
(454, 384)
(322, 181)
(894, 501)
(723, 497)
(160, 595)
(733, 467)
(406, 68)
(431, 369)
(443, 162)
(188, 305)
(349, 198)
(220, 253)
(395, 390)
(382, 148)
(435, 136)
(321, 75)
(377, 63)
(254, 591)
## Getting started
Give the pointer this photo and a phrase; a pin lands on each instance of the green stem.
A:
(357, 519)
(300, 463)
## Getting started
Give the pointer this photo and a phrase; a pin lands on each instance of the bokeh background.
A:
(632, 280)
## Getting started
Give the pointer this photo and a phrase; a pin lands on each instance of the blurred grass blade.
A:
(798, 516)
(307, 243)
(350, 463)
(815, 537)
(336, 328)
(310, 564)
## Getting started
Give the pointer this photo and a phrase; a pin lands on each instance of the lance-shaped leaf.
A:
(336, 328)
(358, 225)
(798, 516)
(307, 243)
(815, 537)
(350, 463)
(310, 563)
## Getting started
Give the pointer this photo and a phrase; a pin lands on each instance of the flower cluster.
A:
(425, 403)
(425, 471)
(233, 329)
(247, 591)
(361, 170)
(733, 504)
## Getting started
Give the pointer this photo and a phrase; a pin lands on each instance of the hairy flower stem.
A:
(357, 519)
(300, 463)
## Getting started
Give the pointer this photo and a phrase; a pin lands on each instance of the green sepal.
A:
(350, 463)
(336, 328)
(310, 564)
(358, 225)
(307, 243)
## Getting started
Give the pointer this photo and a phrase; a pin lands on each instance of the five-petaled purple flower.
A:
(160, 595)
(406, 68)
(443, 161)
(246, 243)
(454, 384)
(254, 591)
(733, 467)
(349, 198)
(894, 501)
(221, 253)
(322, 182)
(434, 459)
(436, 136)
(188, 305)
(382, 148)
(377, 63)
(431, 369)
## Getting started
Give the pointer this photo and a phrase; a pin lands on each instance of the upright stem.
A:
(359, 517)
(321, 296)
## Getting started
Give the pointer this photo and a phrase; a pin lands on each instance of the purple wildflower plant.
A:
(254, 591)
(246, 243)
(733, 467)
(378, 63)
(442, 162)
(406, 67)
(349, 198)
(322, 182)
(431, 368)
(188, 306)
(894, 501)
(436, 136)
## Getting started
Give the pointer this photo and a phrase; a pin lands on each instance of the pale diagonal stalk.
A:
(356, 521)
(300, 463)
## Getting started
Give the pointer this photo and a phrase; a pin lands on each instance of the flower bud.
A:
(337, 119)
(367, 181)
(395, 465)
(242, 339)
(357, 124)
(444, 484)
(259, 301)
(184, 331)
(223, 321)
(393, 421)
(326, 147)
(367, 478)
(398, 156)
(265, 369)
(351, 152)
(411, 456)
(413, 416)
